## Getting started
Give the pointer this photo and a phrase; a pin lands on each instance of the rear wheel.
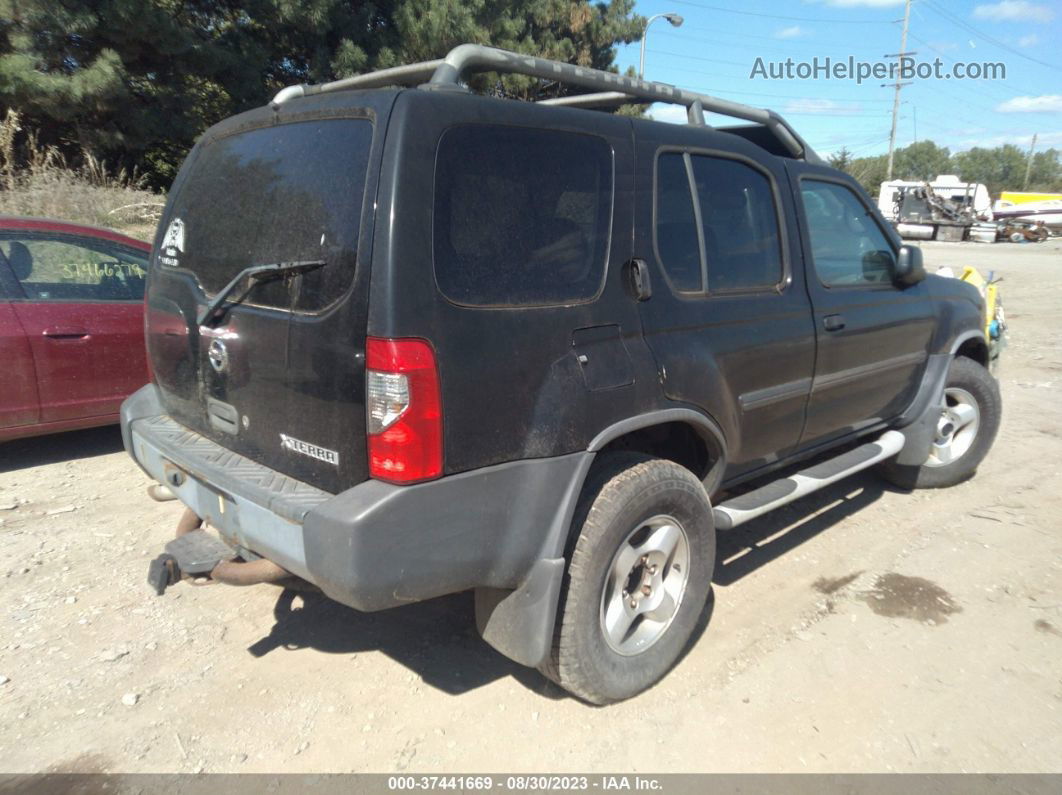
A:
(638, 576)
(969, 419)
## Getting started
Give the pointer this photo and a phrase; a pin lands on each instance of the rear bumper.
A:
(376, 545)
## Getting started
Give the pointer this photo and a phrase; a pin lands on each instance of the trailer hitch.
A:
(196, 554)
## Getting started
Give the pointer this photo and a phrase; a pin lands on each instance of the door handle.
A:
(638, 280)
(65, 332)
(833, 322)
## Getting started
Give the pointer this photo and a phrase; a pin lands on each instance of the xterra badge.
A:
(172, 243)
(312, 450)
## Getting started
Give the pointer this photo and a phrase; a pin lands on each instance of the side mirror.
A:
(908, 269)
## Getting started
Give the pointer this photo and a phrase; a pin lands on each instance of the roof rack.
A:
(611, 89)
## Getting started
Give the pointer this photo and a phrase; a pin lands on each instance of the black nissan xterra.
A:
(409, 341)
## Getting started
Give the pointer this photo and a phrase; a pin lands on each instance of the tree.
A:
(135, 81)
(841, 160)
(1002, 168)
(922, 160)
(1046, 171)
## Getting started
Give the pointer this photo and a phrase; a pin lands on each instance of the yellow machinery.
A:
(995, 320)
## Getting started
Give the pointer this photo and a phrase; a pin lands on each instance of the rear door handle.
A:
(65, 332)
(833, 322)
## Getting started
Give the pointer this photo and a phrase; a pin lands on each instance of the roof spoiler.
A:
(609, 89)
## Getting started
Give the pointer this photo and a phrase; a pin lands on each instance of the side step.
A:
(779, 492)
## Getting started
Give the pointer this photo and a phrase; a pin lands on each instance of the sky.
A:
(715, 50)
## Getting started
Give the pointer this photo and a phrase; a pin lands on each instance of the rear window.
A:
(522, 217)
(286, 193)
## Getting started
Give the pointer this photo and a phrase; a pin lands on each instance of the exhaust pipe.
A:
(188, 522)
(253, 572)
(191, 554)
(160, 493)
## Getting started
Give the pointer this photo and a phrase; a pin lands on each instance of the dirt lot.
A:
(862, 629)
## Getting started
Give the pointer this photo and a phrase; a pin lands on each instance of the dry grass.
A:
(36, 180)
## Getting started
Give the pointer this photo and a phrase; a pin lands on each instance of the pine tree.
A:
(135, 81)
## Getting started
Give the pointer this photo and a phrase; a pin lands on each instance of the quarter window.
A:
(676, 225)
(58, 270)
(522, 217)
(847, 246)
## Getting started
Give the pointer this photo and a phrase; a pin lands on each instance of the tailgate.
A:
(277, 375)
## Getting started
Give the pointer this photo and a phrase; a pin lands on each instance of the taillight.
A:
(403, 410)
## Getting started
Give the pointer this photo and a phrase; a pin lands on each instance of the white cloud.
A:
(1028, 41)
(792, 32)
(821, 107)
(1014, 11)
(675, 114)
(1045, 103)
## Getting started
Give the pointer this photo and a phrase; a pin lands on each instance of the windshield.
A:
(286, 193)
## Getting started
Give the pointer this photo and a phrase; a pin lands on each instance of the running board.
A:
(779, 492)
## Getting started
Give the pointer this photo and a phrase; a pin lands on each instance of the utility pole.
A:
(896, 99)
(1028, 164)
(914, 112)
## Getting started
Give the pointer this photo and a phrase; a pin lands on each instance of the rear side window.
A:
(740, 224)
(286, 193)
(522, 217)
(74, 269)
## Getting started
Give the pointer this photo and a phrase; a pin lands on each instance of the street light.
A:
(674, 19)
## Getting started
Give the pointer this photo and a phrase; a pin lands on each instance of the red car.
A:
(71, 325)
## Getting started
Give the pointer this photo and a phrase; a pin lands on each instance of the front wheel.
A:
(969, 419)
(638, 578)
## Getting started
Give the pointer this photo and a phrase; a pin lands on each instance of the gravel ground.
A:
(860, 629)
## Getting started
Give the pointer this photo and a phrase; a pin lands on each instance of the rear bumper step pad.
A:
(196, 554)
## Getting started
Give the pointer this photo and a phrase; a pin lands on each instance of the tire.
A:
(954, 457)
(632, 505)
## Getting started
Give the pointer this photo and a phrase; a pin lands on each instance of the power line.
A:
(985, 85)
(965, 100)
(702, 73)
(698, 58)
(789, 44)
(984, 36)
(781, 16)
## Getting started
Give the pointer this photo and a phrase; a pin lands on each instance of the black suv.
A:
(409, 341)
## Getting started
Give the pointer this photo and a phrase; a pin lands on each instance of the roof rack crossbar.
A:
(468, 59)
(601, 99)
(612, 89)
(409, 75)
(613, 99)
